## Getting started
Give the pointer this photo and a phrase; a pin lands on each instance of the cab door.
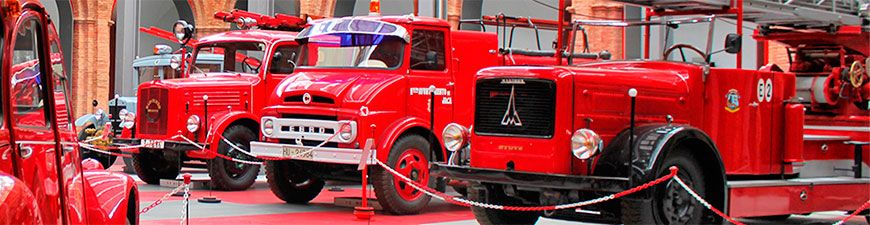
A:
(70, 170)
(34, 139)
(428, 68)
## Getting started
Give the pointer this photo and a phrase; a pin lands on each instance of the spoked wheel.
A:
(291, 183)
(671, 204)
(677, 204)
(413, 164)
(410, 157)
(234, 176)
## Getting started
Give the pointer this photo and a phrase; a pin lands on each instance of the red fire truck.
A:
(43, 180)
(386, 80)
(755, 143)
(215, 104)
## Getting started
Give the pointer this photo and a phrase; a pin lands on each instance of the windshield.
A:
(239, 57)
(149, 73)
(347, 50)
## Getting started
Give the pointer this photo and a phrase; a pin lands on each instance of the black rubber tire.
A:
(151, 166)
(382, 180)
(105, 160)
(493, 217)
(217, 167)
(291, 183)
(635, 211)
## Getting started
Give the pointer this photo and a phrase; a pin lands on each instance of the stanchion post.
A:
(186, 177)
(364, 211)
(633, 94)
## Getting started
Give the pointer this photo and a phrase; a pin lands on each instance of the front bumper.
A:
(322, 154)
(167, 144)
(530, 180)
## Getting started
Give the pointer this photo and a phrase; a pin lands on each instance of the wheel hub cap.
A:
(412, 164)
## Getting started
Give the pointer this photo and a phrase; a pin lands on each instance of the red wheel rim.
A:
(412, 164)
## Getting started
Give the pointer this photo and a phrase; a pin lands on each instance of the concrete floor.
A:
(259, 206)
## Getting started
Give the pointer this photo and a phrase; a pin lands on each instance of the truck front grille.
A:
(515, 107)
(153, 107)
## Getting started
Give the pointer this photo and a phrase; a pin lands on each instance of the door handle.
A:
(25, 151)
(68, 149)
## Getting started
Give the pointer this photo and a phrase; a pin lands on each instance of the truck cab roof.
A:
(269, 36)
(163, 60)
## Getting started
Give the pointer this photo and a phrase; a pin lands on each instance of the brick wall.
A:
(90, 70)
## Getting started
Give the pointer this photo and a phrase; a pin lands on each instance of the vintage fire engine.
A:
(122, 109)
(383, 81)
(754, 143)
(214, 106)
(42, 178)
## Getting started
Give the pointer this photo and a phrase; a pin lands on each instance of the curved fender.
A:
(218, 124)
(393, 131)
(87, 119)
(17, 203)
(653, 143)
(107, 196)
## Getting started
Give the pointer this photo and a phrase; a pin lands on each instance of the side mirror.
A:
(733, 43)
(183, 31)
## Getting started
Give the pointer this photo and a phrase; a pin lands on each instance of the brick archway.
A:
(203, 12)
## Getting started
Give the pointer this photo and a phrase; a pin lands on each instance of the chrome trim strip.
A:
(813, 137)
(322, 154)
(837, 128)
(36, 142)
(313, 129)
(798, 182)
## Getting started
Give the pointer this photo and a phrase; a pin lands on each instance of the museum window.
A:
(28, 84)
(427, 50)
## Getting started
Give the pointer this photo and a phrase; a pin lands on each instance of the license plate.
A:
(297, 152)
(153, 143)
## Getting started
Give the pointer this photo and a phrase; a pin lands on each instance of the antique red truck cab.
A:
(753, 143)
(43, 179)
(212, 106)
(373, 79)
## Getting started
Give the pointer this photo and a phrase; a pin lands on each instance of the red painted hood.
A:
(358, 86)
(221, 80)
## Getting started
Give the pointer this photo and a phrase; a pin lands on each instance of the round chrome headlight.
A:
(585, 143)
(193, 123)
(127, 119)
(454, 136)
(268, 127)
(345, 132)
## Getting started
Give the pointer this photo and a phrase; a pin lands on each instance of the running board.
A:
(796, 196)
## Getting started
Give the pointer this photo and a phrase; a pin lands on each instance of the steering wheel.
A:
(256, 69)
(682, 54)
(856, 74)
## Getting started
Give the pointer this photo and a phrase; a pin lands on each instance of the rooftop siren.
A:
(375, 8)
(162, 49)
(248, 20)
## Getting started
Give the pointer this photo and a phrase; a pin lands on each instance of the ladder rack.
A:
(787, 13)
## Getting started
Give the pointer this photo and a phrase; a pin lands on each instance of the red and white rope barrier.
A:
(855, 213)
(166, 196)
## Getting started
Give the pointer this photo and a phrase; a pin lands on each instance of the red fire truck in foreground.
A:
(43, 180)
(215, 104)
(375, 79)
(754, 143)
